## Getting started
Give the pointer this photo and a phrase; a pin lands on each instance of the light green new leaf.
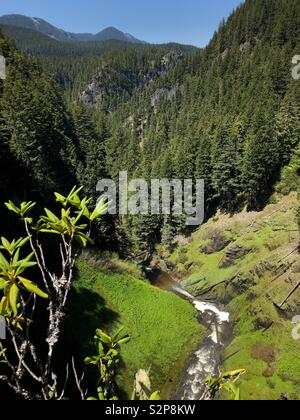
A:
(7, 245)
(3, 284)
(13, 298)
(26, 207)
(52, 231)
(117, 334)
(60, 199)
(105, 338)
(11, 207)
(83, 239)
(124, 340)
(155, 396)
(100, 394)
(16, 257)
(32, 288)
(51, 216)
(101, 209)
(4, 263)
(21, 242)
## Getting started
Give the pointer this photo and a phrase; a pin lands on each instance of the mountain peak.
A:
(41, 25)
(113, 33)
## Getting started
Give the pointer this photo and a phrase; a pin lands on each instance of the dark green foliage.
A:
(43, 146)
(35, 128)
(234, 117)
(74, 64)
(228, 113)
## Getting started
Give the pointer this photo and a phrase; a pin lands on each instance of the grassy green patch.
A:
(163, 327)
(271, 360)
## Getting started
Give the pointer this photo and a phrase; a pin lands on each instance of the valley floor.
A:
(164, 329)
(249, 262)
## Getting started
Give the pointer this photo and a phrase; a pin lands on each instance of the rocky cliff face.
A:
(112, 82)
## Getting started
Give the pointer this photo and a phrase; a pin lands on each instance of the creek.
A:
(208, 357)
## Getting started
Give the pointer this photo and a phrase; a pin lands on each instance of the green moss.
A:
(253, 285)
(257, 383)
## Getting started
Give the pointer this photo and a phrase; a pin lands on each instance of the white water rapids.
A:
(207, 359)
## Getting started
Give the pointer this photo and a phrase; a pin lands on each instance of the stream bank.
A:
(208, 358)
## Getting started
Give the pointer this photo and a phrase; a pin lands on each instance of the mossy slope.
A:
(255, 259)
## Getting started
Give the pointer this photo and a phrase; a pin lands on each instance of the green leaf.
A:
(124, 340)
(133, 395)
(101, 351)
(24, 266)
(117, 334)
(26, 207)
(13, 298)
(113, 353)
(105, 338)
(3, 284)
(25, 263)
(100, 394)
(233, 374)
(16, 257)
(52, 231)
(155, 396)
(4, 263)
(6, 245)
(83, 239)
(23, 242)
(101, 209)
(60, 199)
(12, 207)
(75, 200)
(32, 288)
(51, 216)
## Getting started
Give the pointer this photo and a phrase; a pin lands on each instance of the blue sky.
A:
(158, 21)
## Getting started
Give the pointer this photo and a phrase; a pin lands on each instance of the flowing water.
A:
(207, 359)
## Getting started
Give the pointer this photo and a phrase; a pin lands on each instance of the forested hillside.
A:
(228, 114)
(74, 65)
(43, 145)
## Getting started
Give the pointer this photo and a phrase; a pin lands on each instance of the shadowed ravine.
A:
(208, 358)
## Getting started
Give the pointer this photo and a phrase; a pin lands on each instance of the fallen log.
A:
(210, 288)
(287, 298)
(291, 294)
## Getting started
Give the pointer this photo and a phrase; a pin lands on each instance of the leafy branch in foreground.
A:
(225, 382)
(142, 388)
(107, 360)
(25, 368)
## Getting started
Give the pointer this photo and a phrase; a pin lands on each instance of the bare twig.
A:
(65, 384)
(79, 381)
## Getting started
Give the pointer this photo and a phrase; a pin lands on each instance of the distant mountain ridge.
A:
(44, 27)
